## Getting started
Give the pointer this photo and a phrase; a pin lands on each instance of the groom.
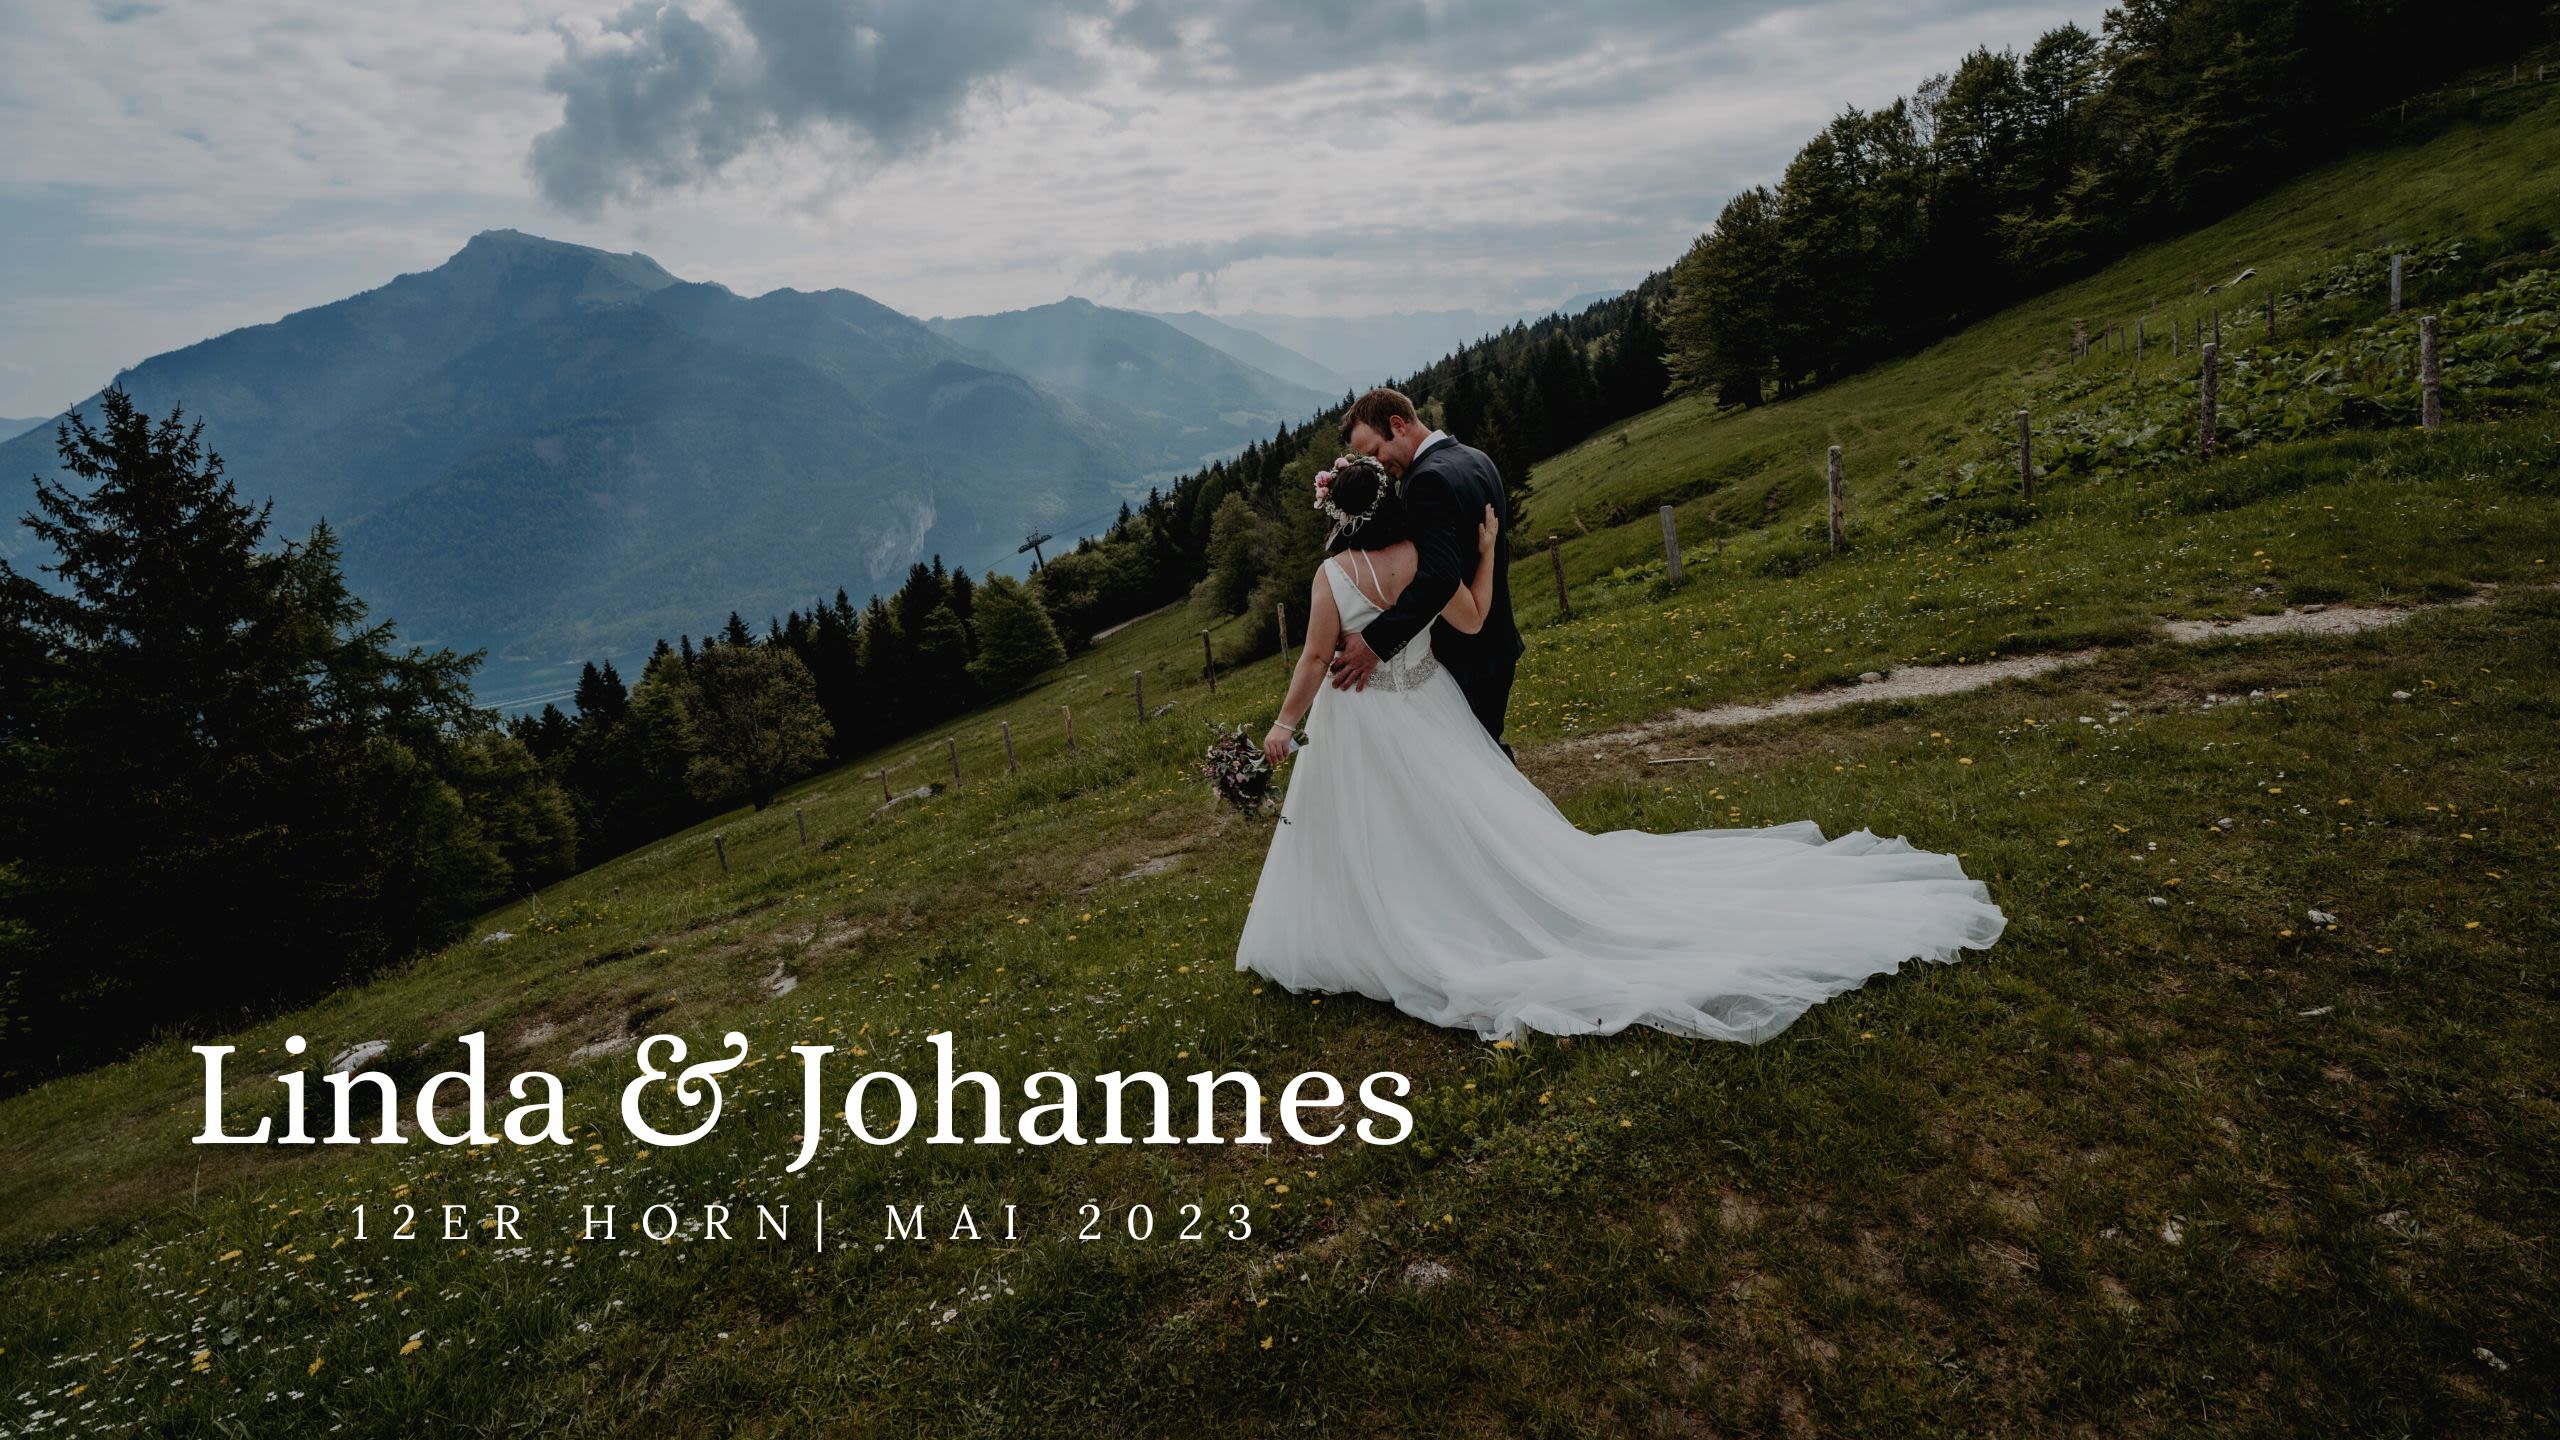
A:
(1445, 487)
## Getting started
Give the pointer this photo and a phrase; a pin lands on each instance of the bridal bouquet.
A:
(1237, 771)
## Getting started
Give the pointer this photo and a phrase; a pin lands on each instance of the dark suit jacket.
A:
(1445, 491)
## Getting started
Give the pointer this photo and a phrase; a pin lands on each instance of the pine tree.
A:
(834, 657)
(1723, 324)
(600, 697)
(546, 735)
(199, 736)
(942, 662)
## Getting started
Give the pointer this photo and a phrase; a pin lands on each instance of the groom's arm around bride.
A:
(1445, 487)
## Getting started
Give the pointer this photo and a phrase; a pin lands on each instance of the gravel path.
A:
(1924, 681)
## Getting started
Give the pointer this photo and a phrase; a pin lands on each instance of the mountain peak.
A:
(511, 248)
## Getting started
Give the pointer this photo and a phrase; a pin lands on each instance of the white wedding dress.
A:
(1419, 867)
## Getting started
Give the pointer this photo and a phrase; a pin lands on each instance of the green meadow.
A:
(2177, 1157)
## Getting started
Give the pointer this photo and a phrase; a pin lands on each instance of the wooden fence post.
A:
(2139, 334)
(2430, 380)
(2271, 314)
(2217, 325)
(1011, 765)
(1555, 553)
(1208, 663)
(1138, 687)
(2026, 456)
(885, 796)
(803, 817)
(2395, 284)
(1067, 713)
(2079, 337)
(1283, 609)
(2176, 330)
(1839, 482)
(955, 759)
(1670, 545)
(720, 847)
(2212, 354)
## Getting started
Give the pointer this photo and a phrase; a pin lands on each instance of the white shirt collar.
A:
(1434, 438)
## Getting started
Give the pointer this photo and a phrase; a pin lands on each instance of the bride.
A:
(1419, 867)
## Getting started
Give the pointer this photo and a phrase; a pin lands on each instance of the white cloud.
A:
(181, 170)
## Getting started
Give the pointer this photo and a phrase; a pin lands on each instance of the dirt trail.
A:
(1926, 681)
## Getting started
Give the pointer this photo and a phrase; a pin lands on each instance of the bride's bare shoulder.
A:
(1395, 556)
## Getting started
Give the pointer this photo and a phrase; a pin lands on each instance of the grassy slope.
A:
(1939, 1205)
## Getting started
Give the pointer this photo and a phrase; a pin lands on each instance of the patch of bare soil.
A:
(2311, 620)
(1919, 682)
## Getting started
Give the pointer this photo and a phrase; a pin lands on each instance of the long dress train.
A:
(1421, 868)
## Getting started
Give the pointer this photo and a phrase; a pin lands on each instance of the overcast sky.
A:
(174, 170)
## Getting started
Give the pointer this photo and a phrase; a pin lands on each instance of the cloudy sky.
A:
(177, 168)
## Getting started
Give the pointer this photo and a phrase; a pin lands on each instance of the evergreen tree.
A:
(942, 661)
(200, 737)
(546, 736)
(1723, 324)
(1561, 400)
(925, 589)
(888, 673)
(1632, 377)
(600, 697)
(834, 657)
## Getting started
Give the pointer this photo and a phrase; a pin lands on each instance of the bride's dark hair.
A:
(1355, 490)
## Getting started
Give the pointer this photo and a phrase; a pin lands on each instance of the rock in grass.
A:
(1425, 1274)
(356, 1057)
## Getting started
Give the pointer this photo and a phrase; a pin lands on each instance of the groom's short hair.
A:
(1375, 409)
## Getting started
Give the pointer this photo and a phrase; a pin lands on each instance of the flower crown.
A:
(1344, 521)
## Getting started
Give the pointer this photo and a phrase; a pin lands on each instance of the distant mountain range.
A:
(1257, 350)
(561, 453)
(1359, 351)
(1187, 403)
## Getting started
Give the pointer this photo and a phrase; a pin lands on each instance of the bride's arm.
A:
(1474, 600)
(1324, 627)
